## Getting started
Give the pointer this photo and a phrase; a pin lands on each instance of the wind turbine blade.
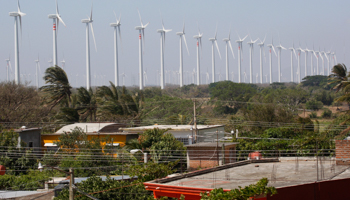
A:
(217, 47)
(91, 11)
(186, 44)
(143, 37)
(238, 35)
(162, 20)
(145, 25)
(244, 37)
(264, 39)
(273, 48)
(115, 16)
(295, 54)
(93, 35)
(120, 37)
(255, 40)
(229, 42)
(140, 17)
(20, 24)
(57, 8)
(60, 19)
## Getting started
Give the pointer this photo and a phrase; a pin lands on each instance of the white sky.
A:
(322, 23)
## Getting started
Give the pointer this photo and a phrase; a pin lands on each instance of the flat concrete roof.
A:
(212, 144)
(8, 194)
(91, 127)
(20, 130)
(172, 127)
(280, 174)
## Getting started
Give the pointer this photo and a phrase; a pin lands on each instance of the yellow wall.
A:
(121, 139)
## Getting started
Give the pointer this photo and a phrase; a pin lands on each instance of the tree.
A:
(313, 104)
(59, 89)
(339, 77)
(316, 81)
(253, 190)
(86, 105)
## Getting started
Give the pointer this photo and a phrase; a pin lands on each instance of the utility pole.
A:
(194, 121)
(71, 183)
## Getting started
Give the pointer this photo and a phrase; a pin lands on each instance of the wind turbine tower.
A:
(292, 50)
(37, 68)
(141, 30)
(8, 66)
(214, 40)
(199, 42)
(299, 72)
(182, 35)
(262, 49)
(17, 15)
(88, 68)
(55, 21)
(317, 53)
(273, 48)
(162, 42)
(251, 44)
(228, 43)
(240, 50)
(116, 27)
(279, 47)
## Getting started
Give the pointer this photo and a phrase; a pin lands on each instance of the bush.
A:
(32, 181)
(313, 115)
(326, 113)
(313, 104)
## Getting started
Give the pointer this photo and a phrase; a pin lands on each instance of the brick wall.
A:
(342, 152)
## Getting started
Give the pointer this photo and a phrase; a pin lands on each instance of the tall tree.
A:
(59, 89)
(86, 105)
(339, 77)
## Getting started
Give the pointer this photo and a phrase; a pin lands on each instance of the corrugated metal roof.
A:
(87, 127)
(172, 127)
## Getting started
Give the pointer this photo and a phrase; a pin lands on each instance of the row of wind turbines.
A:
(330, 56)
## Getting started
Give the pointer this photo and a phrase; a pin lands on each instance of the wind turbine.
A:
(88, 69)
(162, 42)
(123, 76)
(199, 42)
(240, 50)
(311, 61)
(50, 62)
(320, 53)
(17, 15)
(251, 44)
(324, 68)
(228, 43)
(256, 77)
(273, 48)
(207, 77)
(37, 70)
(299, 73)
(63, 63)
(292, 50)
(182, 35)
(262, 49)
(245, 76)
(317, 53)
(141, 30)
(145, 78)
(279, 47)
(306, 51)
(8, 68)
(55, 21)
(328, 59)
(214, 40)
(116, 27)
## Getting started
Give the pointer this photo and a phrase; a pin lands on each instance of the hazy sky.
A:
(322, 23)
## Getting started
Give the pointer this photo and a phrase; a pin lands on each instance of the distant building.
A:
(30, 136)
(211, 154)
(184, 133)
(92, 130)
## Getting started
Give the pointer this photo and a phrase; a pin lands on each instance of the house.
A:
(186, 133)
(30, 136)
(92, 130)
(210, 154)
(303, 178)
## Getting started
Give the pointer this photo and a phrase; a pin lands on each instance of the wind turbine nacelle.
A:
(212, 39)
(138, 28)
(160, 31)
(114, 24)
(179, 33)
(86, 21)
(226, 39)
(14, 14)
(52, 16)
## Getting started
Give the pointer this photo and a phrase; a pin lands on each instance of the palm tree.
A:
(59, 89)
(339, 77)
(86, 104)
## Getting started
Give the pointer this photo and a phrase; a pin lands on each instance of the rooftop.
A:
(243, 173)
(92, 127)
(20, 130)
(212, 144)
(172, 127)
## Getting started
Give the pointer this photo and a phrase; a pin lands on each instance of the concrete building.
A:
(92, 130)
(30, 136)
(211, 154)
(185, 133)
(303, 178)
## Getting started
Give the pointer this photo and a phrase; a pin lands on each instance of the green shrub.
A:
(313, 115)
(313, 104)
(326, 113)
